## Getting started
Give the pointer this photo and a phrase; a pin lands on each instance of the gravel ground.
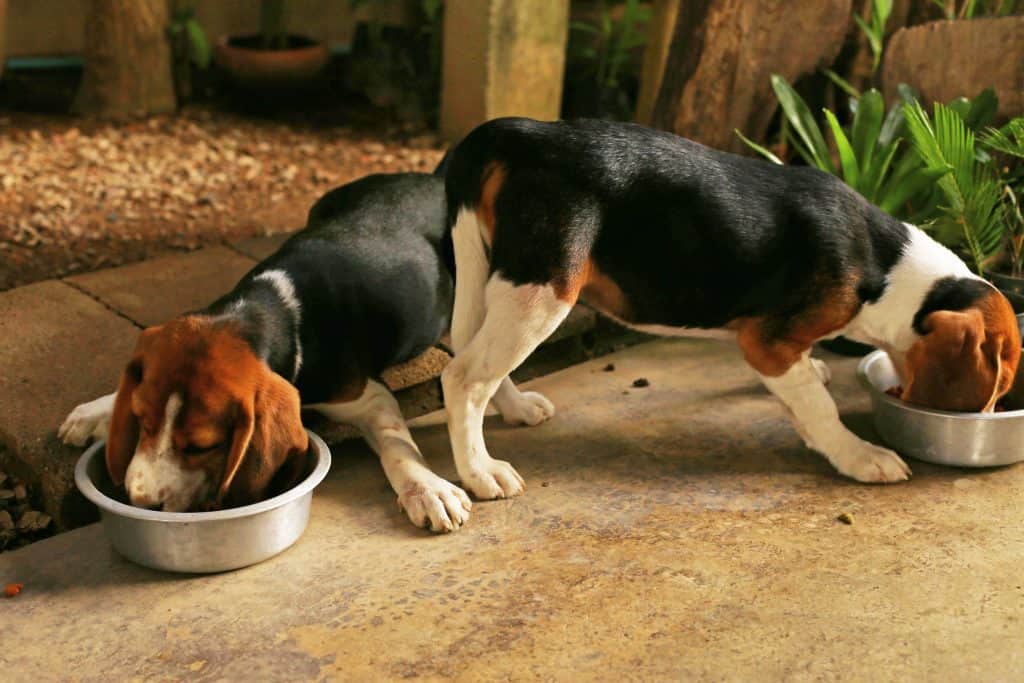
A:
(19, 523)
(77, 196)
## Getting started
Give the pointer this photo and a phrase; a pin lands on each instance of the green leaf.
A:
(1009, 139)
(584, 26)
(973, 195)
(892, 126)
(906, 93)
(873, 177)
(796, 110)
(874, 39)
(910, 186)
(200, 46)
(851, 171)
(766, 153)
(867, 124)
(961, 105)
(841, 83)
(983, 109)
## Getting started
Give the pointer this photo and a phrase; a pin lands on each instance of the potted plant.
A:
(273, 57)
(981, 215)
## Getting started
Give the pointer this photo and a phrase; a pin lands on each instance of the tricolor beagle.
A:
(674, 238)
(207, 412)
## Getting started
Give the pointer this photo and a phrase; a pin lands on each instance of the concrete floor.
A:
(678, 531)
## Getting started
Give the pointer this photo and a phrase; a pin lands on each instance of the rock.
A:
(6, 521)
(943, 60)
(33, 520)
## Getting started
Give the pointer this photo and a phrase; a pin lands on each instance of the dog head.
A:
(200, 421)
(965, 360)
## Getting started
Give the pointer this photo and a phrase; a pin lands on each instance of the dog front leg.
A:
(816, 418)
(88, 421)
(427, 499)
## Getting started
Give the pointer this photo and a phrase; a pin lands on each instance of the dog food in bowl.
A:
(202, 542)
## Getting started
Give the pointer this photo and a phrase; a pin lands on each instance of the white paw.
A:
(493, 479)
(871, 464)
(436, 503)
(88, 421)
(821, 369)
(529, 408)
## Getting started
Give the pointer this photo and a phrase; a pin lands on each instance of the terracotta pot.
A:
(250, 65)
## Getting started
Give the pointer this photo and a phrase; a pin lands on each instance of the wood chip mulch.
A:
(77, 195)
(20, 523)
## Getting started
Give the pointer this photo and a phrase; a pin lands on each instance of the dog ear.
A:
(268, 434)
(123, 436)
(958, 365)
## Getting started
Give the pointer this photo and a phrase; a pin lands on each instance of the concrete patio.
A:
(678, 531)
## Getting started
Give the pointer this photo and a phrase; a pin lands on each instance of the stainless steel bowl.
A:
(202, 542)
(939, 436)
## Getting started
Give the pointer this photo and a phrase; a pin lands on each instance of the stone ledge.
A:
(153, 292)
(66, 349)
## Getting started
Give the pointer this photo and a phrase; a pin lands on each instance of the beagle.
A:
(207, 413)
(674, 238)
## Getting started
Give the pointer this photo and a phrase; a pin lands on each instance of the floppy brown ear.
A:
(123, 436)
(268, 432)
(956, 365)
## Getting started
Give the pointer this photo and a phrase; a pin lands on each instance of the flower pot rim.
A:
(224, 41)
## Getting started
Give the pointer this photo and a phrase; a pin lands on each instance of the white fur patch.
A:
(88, 421)
(155, 475)
(427, 499)
(286, 290)
(517, 320)
(888, 322)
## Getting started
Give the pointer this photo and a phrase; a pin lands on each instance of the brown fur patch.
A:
(597, 289)
(220, 380)
(967, 360)
(773, 345)
(490, 185)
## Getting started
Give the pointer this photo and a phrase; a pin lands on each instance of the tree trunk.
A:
(723, 54)
(127, 60)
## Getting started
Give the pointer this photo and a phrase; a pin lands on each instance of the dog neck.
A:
(888, 322)
(268, 316)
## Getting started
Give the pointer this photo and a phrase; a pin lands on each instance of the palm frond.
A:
(971, 192)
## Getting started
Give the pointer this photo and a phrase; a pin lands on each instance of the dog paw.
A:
(493, 479)
(821, 369)
(871, 464)
(88, 421)
(529, 408)
(435, 503)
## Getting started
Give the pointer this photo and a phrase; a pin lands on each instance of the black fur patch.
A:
(693, 236)
(370, 274)
(950, 294)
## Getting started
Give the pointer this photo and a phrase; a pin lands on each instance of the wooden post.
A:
(659, 39)
(127, 60)
(501, 58)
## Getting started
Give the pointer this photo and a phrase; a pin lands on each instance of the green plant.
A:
(874, 28)
(188, 46)
(273, 34)
(872, 157)
(604, 49)
(184, 30)
(970, 9)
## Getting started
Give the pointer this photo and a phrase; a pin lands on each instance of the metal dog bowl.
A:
(939, 436)
(202, 542)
